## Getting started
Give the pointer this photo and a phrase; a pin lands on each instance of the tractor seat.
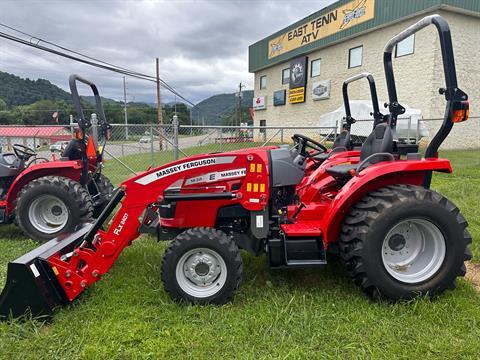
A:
(342, 172)
(376, 148)
(341, 143)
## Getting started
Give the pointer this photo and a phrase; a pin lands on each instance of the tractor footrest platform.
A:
(307, 228)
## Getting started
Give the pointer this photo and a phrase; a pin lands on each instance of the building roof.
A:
(34, 131)
(385, 12)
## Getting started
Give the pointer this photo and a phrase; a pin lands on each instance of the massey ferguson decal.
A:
(216, 176)
(189, 165)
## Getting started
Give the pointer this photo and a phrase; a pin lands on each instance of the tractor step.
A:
(296, 252)
(306, 263)
(32, 287)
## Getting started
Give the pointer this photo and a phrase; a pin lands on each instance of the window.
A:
(263, 123)
(263, 82)
(315, 68)
(405, 47)
(355, 57)
(285, 76)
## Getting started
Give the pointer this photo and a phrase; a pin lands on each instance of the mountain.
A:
(172, 103)
(217, 108)
(35, 95)
(91, 99)
(17, 91)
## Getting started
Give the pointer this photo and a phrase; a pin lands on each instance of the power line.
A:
(92, 61)
(106, 65)
(66, 49)
(40, 47)
(77, 53)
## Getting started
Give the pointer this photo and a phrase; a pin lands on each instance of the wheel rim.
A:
(201, 272)
(48, 214)
(413, 250)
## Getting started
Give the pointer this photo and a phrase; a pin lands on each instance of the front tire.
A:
(404, 241)
(49, 206)
(202, 265)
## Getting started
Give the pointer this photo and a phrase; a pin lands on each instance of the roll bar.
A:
(377, 115)
(83, 122)
(455, 98)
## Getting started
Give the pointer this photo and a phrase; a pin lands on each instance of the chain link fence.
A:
(134, 148)
(153, 145)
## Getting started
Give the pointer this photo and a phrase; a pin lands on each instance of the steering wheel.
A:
(23, 152)
(303, 142)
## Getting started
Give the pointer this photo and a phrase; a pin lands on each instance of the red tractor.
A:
(373, 205)
(48, 198)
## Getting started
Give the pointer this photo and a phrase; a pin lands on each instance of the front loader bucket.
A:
(32, 287)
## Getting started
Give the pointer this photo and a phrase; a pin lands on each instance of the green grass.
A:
(463, 188)
(314, 313)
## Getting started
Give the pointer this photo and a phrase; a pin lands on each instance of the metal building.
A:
(300, 69)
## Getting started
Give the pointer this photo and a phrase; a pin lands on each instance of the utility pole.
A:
(239, 117)
(198, 119)
(191, 120)
(125, 107)
(159, 108)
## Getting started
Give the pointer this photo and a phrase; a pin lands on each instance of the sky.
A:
(202, 45)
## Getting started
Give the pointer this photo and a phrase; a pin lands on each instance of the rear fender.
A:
(70, 169)
(372, 178)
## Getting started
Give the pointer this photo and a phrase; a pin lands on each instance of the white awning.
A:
(361, 110)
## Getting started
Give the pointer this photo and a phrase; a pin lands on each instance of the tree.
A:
(233, 120)
(3, 105)
(183, 113)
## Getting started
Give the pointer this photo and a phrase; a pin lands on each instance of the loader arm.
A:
(61, 270)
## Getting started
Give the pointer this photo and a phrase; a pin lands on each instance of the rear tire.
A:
(404, 241)
(202, 265)
(49, 206)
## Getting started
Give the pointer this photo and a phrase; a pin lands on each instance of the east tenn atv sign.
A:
(343, 17)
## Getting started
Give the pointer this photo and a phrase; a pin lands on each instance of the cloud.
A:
(202, 45)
